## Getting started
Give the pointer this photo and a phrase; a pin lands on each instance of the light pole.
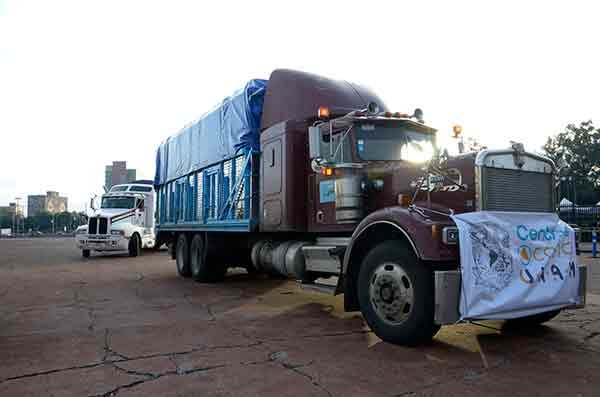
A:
(17, 206)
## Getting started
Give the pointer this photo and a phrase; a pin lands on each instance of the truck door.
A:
(140, 214)
(324, 199)
(323, 184)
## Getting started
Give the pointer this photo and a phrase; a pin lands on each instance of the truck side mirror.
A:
(314, 142)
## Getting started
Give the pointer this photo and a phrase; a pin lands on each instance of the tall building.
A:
(51, 202)
(118, 173)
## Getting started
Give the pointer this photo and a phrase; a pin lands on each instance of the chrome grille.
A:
(516, 190)
(93, 226)
(102, 225)
(98, 225)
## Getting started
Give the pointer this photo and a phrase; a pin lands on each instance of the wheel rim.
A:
(391, 293)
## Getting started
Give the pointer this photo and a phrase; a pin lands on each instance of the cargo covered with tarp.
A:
(230, 128)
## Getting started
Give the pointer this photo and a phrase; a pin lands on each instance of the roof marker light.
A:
(323, 112)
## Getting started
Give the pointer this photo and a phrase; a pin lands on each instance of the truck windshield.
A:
(118, 202)
(385, 142)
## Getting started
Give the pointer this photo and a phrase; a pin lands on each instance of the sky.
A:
(84, 83)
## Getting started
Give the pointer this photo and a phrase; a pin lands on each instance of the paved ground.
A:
(115, 325)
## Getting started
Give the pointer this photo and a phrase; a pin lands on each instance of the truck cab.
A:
(123, 222)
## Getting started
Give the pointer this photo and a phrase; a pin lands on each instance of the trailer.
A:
(306, 177)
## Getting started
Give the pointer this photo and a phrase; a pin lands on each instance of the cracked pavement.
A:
(119, 326)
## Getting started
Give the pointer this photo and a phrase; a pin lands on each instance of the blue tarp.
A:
(231, 127)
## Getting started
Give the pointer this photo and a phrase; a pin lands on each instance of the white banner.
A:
(515, 264)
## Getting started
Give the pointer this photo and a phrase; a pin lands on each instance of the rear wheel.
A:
(396, 295)
(85, 253)
(531, 321)
(135, 245)
(182, 256)
(201, 270)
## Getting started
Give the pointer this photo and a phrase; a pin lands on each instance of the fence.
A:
(587, 217)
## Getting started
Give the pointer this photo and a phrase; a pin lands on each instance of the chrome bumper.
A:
(447, 295)
(102, 242)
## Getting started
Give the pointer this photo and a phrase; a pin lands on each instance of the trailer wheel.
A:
(135, 245)
(396, 295)
(200, 268)
(85, 253)
(531, 321)
(182, 256)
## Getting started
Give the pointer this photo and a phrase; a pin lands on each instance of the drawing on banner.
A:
(493, 267)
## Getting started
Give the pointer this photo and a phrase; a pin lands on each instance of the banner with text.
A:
(515, 264)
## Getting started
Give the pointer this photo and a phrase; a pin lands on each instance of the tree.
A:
(579, 148)
(6, 219)
(43, 221)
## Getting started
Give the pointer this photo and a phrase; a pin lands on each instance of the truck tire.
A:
(201, 270)
(85, 253)
(182, 256)
(135, 245)
(172, 252)
(531, 321)
(396, 294)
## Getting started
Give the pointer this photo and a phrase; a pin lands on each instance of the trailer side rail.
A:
(220, 197)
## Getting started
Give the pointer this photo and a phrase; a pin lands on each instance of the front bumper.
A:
(447, 295)
(101, 242)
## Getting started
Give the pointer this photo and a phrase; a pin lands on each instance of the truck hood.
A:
(113, 213)
(403, 177)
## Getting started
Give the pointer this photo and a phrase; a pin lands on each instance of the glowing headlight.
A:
(117, 232)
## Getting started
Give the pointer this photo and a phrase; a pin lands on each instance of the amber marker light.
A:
(323, 112)
(327, 171)
(457, 130)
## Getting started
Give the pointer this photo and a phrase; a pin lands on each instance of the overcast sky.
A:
(83, 83)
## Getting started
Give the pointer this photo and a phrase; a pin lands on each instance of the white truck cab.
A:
(124, 221)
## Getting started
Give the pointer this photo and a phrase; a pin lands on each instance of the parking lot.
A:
(114, 325)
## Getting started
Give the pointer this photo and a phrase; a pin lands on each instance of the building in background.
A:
(12, 209)
(118, 173)
(51, 202)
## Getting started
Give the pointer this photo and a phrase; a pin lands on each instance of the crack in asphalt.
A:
(297, 369)
(211, 314)
(111, 357)
(281, 356)
(152, 377)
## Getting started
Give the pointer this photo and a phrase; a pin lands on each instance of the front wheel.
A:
(85, 253)
(135, 245)
(396, 295)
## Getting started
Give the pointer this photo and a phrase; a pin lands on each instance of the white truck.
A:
(124, 221)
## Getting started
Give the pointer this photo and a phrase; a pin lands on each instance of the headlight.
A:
(117, 232)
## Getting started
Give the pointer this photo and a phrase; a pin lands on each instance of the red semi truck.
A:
(308, 178)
